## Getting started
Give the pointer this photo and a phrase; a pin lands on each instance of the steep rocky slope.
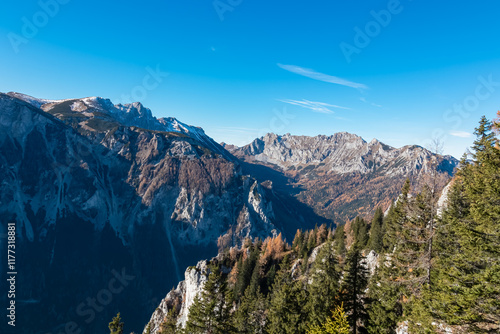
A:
(342, 175)
(100, 192)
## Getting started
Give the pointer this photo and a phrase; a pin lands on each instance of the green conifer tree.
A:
(324, 285)
(395, 219)
(311, 242)
(359, 230)
(210, 311)
(286, 312)
(375, 241)
(298, 241)
(245, 271)
(169, 325)
(353, 290)
(251, 315)
(385, 295)
(339, 241)
(116, 326)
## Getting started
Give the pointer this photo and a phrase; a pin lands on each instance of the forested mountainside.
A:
(342, 176)
(430, 265)
(97, 189)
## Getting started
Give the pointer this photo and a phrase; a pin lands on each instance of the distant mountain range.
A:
(342, 176)
(98, 189)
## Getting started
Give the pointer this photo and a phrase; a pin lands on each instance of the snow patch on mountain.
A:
(32, 100)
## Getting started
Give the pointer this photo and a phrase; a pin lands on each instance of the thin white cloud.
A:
(461, 134)
(306, 72)
(363, 99)
(320, 107)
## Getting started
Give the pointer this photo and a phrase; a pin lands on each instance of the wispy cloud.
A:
(320, 107)
(306, 72)
(461, 134)
(363, 99)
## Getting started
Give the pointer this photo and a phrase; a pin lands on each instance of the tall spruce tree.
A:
(286, 312)
(353, 290)
(245, 271)
(298, 240)
(339, 240)
(359, 230)
(384, 292)
(386, 289)
(395, 219)
(324, 285)
(375, 241)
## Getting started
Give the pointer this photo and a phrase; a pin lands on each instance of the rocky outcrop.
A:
(442, 202)
(183, 296)
(371, 261)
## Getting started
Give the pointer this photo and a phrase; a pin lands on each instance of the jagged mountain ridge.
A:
(91, 189)
(342, 175)
(96, 113)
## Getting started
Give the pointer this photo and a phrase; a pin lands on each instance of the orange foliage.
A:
(273, 248)
(233, 275)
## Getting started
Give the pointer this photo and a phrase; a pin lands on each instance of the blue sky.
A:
(403, 72)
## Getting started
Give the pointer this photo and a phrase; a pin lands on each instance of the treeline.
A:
(434, 272)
